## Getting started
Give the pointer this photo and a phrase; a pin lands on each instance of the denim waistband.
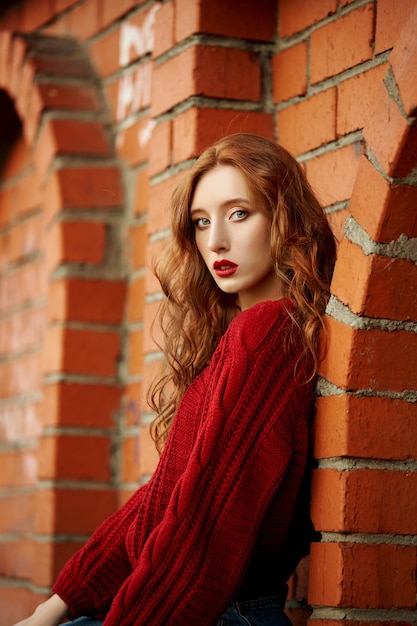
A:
(261, 603)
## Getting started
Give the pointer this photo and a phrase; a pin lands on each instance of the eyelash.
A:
(198, 220)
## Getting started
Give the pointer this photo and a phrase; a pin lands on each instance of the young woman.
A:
(218, 530)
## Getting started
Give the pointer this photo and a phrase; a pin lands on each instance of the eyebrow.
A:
(226, 204)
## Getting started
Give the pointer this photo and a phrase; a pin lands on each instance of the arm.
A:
(192, 563)
(92, 577)
(49, 613)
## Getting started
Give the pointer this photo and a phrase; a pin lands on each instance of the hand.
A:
(49, 613)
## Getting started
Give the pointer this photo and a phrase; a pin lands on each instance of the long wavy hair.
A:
(195, 313)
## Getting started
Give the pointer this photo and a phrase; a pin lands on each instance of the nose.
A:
(218, 239)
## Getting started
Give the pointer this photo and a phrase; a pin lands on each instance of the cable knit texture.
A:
(225, 488)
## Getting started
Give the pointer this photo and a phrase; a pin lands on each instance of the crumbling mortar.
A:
(342, 313)
(325, 388)
(401, 248)
(348, 464)
(372, 539)
(393, 92)
(365, 615)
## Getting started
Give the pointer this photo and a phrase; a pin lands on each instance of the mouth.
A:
(224, 268)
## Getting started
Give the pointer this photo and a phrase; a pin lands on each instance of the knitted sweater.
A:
(224, 490)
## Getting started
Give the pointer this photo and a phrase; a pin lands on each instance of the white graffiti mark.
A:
(19, 423)
(145, 133)
(134, 91)
(136, 38)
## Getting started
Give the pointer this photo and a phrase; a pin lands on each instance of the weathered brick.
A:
(289, 72)
(384, 210)
(69, 458)
(296, 15)
(342, 44)
(195, 129)
(364, 501)
(80, 405)
(333, 174)
(379, 287)
(363, 576)
(87, 300)
(365, 427)
(77, 511)
(357, 359)
(356, 99)
(295, 129)
(93, 353)
(135, 361)
(403, 59)
(390, 19)
(252, 20)
(161, 147)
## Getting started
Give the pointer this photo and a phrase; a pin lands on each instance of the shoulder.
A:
(264, 321)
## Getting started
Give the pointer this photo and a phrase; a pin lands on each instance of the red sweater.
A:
(224, 489)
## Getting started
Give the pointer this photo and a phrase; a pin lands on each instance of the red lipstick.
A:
(224, 268)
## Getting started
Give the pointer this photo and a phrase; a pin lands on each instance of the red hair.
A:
(195, 313)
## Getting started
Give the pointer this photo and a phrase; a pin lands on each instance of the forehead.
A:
(218, 186)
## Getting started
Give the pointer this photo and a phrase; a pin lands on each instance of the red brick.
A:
(135, 361)
(130, 459)
(77, 511)
(295, 15)
(131, 93)
(289, 72)
(164, 29)
(70, 137)
(19, 468)
(379, 286)
(365, 427)
(18, 602)
(196, 128)
(364, 576)
(84, 20)
(137, 245)
(17, 511)
(141, 192)
(35, 16)
(83, 188)
(309, 124)
(79, 98)
(356, 99)
(222, 73)
(23, 331)
(159, 199)
(364, 501)
(93, 353)
(161, 147)
(70, 67)
(26, 283)
(69, 458)
(112, 11)
(357, 359)
(80, 405)
(87, 300)
(391, 138)
(153, 251)
(342, 44)
(21, 375)
(49, 559)
(390, 19)
(136, 299)
(403, 59)
(133, 141)
(76, 242)
(252, 20)
(25, 238)
(385, 211)
(333, 174)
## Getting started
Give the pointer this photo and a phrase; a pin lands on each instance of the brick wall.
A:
(105, 105)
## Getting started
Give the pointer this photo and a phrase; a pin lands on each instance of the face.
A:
(233, 237)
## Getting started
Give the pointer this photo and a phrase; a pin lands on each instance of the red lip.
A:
(224, 268)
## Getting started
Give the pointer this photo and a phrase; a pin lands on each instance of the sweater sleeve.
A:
(193, 561)
(101, 565)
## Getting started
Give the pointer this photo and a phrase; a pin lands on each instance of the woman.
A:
(218, 530)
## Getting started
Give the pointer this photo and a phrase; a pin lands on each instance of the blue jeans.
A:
(262, 612)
